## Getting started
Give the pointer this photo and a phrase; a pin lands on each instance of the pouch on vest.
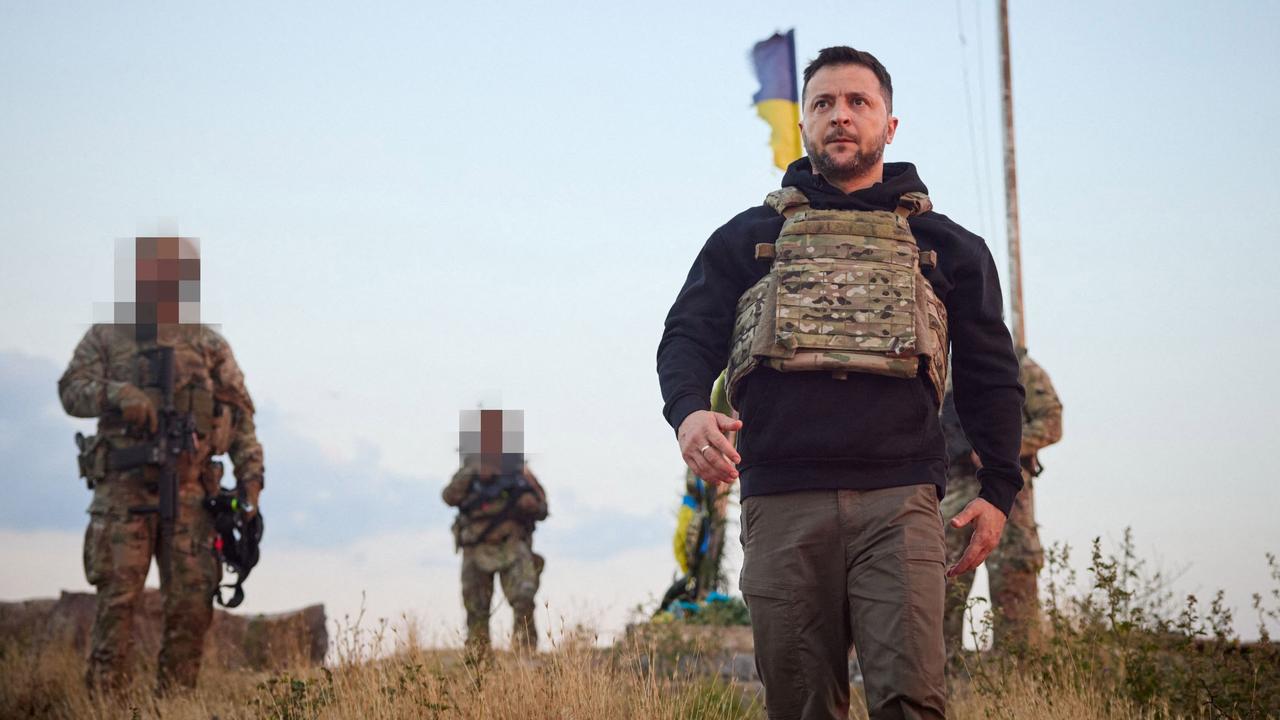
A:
(219, 437)
(845, 292)
(92, 458)
(468, 532)
(199, 402)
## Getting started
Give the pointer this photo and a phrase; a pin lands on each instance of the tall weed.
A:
(1126, 635)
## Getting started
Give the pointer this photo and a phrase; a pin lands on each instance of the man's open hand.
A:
(986, 534)
(706, 449)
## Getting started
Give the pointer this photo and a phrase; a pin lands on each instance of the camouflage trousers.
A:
(118, 547)
(519, 569)
(1012, 568)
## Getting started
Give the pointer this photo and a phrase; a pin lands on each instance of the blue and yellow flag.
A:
(778, 101)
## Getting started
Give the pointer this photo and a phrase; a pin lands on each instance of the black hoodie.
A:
(809, 430)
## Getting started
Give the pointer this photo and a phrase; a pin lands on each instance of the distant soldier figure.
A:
(115, 376)
(499, 500)
(1013, 566)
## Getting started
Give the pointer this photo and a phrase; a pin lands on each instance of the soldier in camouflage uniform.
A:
(109, 379)
(1013, 566)
(499, 500)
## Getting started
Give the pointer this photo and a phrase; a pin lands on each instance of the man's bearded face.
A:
(845, 165)
(846, 124)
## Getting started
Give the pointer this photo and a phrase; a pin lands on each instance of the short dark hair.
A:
(845, 55)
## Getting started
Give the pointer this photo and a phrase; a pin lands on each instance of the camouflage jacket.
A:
(497, 519)
(1042, 411)
(1041, 419)
(207, 381)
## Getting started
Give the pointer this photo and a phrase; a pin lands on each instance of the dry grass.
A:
(381, 674)
(1115, 650)
(575, 680)
(1021, 696)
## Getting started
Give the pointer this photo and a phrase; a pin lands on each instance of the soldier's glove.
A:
(137, 408)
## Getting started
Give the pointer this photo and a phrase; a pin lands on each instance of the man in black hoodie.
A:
(842, 467)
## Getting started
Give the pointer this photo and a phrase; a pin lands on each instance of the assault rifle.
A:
(175, 435)
(511, 485)
(507, 488)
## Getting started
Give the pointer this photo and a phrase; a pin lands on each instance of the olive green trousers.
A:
(826, 571)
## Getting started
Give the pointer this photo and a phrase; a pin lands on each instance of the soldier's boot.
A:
(524, 633)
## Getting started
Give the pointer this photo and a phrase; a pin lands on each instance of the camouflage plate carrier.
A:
(845, 292)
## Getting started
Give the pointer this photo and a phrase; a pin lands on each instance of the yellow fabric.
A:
(784, 117)
(719, 400)
(683, 518)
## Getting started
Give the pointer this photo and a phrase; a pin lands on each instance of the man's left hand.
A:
(249, 497)
(986, 534)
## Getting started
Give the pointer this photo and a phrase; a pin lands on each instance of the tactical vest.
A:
(212, 418)
(489, 513)
(193, 393)
(845, 292)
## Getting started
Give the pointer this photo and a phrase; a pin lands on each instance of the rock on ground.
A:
(235, 641)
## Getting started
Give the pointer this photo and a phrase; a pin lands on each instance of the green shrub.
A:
(285, 697)
(1126, 635)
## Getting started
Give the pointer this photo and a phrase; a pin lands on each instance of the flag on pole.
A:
(778, 101)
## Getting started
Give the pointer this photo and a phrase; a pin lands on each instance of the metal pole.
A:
(1011, 187)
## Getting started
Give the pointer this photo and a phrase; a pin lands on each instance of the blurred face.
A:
(493, 439)
(490, 441)
(166, 277)
(845, 126)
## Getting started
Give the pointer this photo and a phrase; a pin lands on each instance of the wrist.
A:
(115, 389)
(999, 490)
(685, 406)
(249, 488)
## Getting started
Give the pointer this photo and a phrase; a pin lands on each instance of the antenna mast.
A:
(1011, 187)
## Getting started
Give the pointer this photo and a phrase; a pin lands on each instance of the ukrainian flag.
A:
(778, 101)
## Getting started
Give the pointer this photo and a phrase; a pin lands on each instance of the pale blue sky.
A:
(410, 208)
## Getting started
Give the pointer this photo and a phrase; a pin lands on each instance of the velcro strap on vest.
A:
(913, 203)
(765, 251)
(786, 200)
(928, 258)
